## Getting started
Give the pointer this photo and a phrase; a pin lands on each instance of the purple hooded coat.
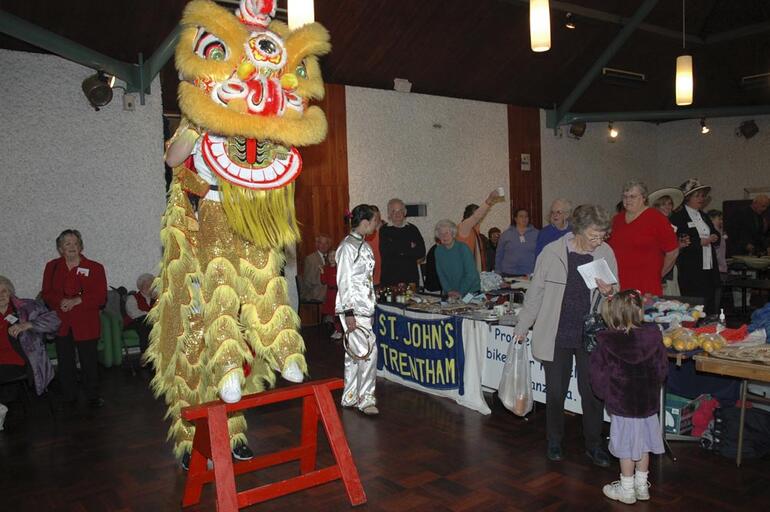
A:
(628, 369)
(32, 343)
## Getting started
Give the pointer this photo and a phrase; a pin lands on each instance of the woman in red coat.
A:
(76, 288)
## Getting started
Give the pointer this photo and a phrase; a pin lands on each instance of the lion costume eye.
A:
(301, 70)
(210, 47)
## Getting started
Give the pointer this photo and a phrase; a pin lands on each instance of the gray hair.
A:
(587, 215)
(143, 279)
(8, 284)
(445, 223)
(642, 186)
(396, 200)
(564, 202)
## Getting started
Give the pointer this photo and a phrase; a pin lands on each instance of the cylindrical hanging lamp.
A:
(684, 82)
(539, 25)
(300, 12)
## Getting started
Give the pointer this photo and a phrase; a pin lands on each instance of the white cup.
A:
(501, 191)
(500, 309)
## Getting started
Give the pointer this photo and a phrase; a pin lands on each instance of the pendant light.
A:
(539, 25)
(300, 12)
(684, 81)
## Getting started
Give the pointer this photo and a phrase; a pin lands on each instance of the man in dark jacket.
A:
(747, 228)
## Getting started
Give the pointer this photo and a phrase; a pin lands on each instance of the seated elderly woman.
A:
(455, 265)
(23, 322)
(559, 299)
(138, 305)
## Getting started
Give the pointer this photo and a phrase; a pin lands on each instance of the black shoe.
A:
(96, 403)
(554, 453)
(185, 462)
(599, 457)
(242, 452)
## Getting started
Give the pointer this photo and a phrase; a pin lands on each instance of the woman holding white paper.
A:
(559, 299)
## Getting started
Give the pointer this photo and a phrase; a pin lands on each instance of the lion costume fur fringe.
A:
(222, 303)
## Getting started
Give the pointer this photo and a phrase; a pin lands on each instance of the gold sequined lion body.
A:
(222, 323)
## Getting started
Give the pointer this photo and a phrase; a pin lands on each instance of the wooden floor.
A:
(421, 454)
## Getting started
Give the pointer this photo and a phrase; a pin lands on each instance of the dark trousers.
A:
(8, 373)
(87, 353)
(700, 283)
(557, 377)
(142, 329)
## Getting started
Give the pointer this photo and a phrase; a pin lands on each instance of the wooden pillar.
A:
(524, 139)
(321, 194)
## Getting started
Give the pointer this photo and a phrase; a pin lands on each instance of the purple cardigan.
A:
(43, 322)
(627, 370)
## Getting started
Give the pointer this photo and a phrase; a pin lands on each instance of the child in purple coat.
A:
(628, 368)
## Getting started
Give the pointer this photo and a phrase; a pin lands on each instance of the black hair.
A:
(360, 213)
(470, 210)
(73, 232)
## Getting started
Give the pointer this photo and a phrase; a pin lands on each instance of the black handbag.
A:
(593, 323)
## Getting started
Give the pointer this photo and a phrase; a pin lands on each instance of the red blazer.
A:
(87, 281)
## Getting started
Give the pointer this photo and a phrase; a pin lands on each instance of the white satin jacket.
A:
(355, 270)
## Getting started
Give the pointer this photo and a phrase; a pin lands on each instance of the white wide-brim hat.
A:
(676, 195)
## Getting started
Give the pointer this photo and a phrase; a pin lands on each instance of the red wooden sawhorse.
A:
(212, 441)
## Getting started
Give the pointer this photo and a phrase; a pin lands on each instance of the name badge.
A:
(11, 319)
(689, 225)
(82, 271)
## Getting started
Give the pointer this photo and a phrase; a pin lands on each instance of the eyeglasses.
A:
(597, 238)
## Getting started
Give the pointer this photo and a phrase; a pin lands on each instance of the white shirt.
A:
(704, 232)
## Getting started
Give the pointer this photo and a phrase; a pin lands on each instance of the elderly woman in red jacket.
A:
(76, 288)
(23, 322)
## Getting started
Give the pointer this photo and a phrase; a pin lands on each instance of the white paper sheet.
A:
(597, 269)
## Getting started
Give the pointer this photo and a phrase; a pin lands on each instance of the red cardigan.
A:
(88, 281)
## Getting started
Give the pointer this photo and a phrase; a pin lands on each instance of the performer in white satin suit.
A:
(355, 306)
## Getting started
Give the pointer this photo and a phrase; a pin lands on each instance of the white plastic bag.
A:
(515, 390)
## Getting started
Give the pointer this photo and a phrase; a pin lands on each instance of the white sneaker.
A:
(3, 412)
(615, 491)
(337, 335)
(231, 389)
(292, 373)
(642, 491)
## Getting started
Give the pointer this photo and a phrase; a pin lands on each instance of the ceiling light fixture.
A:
(704, 129)
(300, 12)
(98, 90)
(747, 129)
(613, 132)
(684, 80)
(539, 25)
(569, 21)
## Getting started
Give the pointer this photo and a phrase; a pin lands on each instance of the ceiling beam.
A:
(616, 19)
(748, 30)
(54, 43)
(603, 59)
(657, 115)
(137, 77)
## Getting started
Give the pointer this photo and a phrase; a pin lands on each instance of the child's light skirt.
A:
(630, 438)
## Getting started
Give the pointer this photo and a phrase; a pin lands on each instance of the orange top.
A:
(374, 242)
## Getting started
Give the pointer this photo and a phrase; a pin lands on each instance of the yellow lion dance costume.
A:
(222, 323)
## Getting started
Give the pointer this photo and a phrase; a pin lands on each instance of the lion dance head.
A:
(246, 84)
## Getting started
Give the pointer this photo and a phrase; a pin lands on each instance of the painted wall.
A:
(721, 159)
(68, 166)
(395, 150)
(594, 170)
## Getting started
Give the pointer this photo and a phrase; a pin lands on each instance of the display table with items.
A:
(746, 363)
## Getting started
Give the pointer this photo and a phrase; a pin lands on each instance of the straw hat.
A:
(675, 194)
(693, 185)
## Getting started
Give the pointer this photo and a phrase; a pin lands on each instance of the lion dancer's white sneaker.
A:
(230, 392)
(3, 412)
